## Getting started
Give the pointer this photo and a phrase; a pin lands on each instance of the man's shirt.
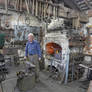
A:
(33, 48)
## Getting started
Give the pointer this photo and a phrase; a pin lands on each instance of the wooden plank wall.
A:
(39, 8)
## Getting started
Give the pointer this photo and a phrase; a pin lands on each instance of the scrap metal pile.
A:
(76, 45)
(3, 68)
(75, 71)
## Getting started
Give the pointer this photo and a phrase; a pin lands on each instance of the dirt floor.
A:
(49, 85)
(46, 84)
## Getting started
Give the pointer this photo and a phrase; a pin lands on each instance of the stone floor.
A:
(45, 84)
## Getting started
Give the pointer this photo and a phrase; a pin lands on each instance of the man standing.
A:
(33, 52)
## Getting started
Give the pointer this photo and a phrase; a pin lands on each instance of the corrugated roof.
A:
(81, 5)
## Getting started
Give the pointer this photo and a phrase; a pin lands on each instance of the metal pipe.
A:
(67, 68)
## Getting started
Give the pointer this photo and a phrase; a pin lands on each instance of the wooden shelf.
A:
(89, 54)
(76, 44)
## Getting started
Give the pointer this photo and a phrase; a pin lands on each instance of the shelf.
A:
(89, 54)
(76, 44)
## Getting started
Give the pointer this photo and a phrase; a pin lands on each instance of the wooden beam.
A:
(45, 10)
(27, 6)
(54, 12)
(6, 5)
(49, 7)
(40, 9)
(36, 7)
(15, 5)
(49, 3)
(33, 6)
(88, 4)
(21, 5)
(30, 6)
